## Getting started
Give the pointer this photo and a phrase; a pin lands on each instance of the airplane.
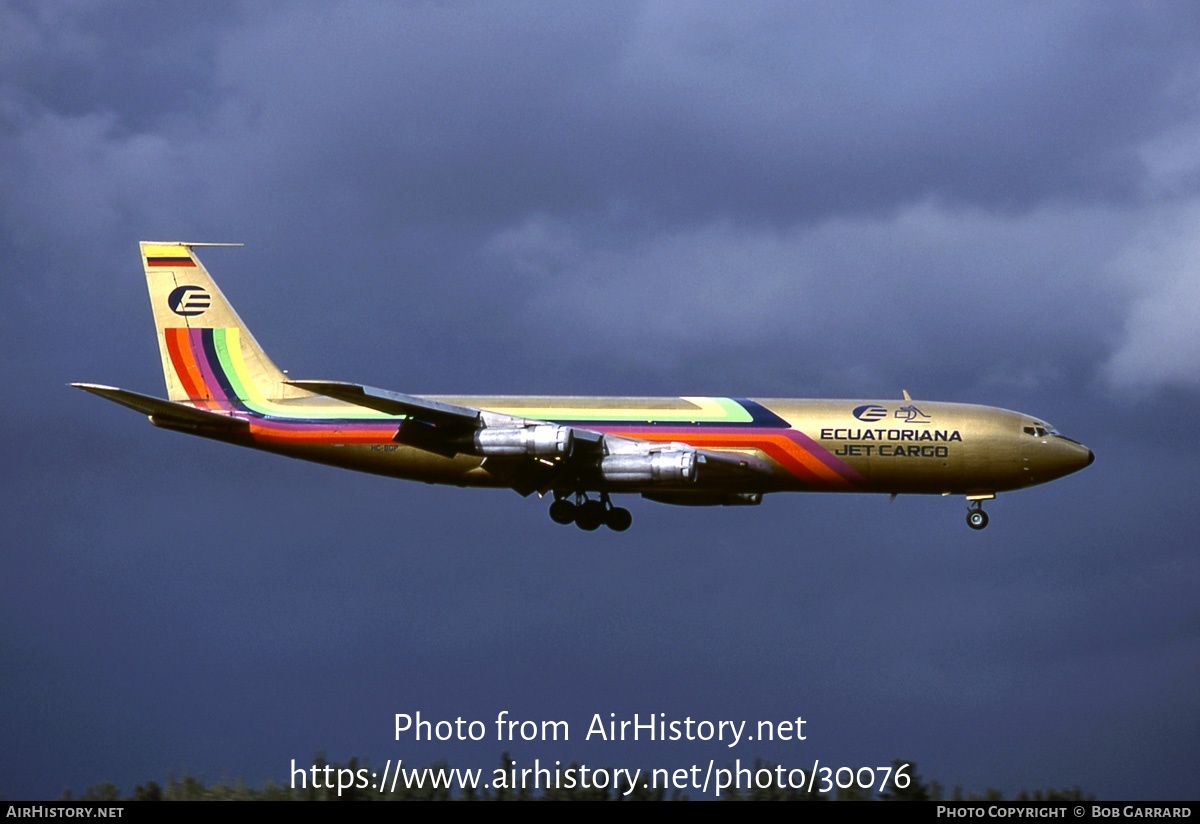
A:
(690, 451)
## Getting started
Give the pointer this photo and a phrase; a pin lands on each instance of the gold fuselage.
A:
(901, 447)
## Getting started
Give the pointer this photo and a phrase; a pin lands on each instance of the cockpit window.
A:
(1040, 429)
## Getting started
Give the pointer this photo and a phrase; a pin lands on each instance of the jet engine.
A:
(540, 441)
(657, 467)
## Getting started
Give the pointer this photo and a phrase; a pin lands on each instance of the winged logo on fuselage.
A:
(910, 414)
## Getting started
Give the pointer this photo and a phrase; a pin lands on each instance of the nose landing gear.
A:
(976, 517)
(589, 514)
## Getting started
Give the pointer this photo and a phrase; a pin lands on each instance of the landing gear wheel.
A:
(590, 515)
(977, 518)
(618, 519)
(562, 511)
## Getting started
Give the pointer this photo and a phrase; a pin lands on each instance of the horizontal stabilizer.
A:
(165, 413)
(395, 403)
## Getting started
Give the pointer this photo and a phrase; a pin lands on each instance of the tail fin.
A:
(209, 357)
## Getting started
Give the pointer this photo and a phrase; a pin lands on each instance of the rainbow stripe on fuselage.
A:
(714, 423)
(210, 366)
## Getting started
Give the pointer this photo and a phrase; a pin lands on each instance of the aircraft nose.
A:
(1055, 457)
(1078, 457)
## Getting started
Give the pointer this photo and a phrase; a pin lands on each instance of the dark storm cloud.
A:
(675, 113)
(891, 292)
(120, 57)
(689, 113)
(634, 134)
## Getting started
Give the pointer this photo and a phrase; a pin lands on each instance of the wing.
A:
(538, 456)
(431, 425)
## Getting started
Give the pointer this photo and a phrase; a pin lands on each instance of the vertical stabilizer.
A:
(209, 357)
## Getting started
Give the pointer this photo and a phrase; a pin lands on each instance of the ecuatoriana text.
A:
(840, 434)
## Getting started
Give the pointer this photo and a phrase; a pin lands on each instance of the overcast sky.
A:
(985, 203)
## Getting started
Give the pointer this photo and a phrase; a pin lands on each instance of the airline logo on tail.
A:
(189, 301)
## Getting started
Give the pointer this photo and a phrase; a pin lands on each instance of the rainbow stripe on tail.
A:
(190, 309)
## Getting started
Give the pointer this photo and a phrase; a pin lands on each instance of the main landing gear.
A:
(976, 517)
(589, 514)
